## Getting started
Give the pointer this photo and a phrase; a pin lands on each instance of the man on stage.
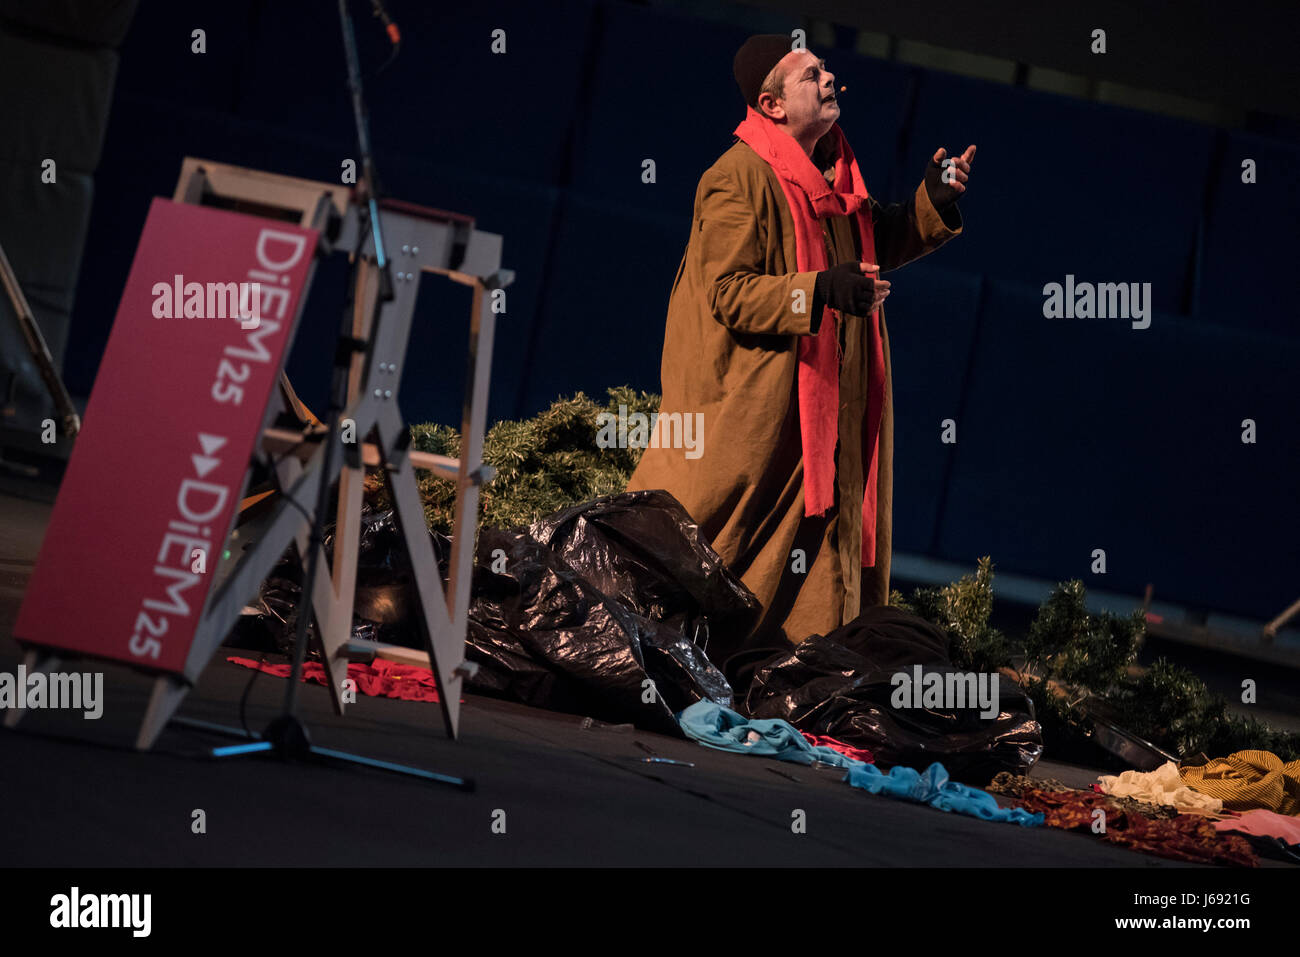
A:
(775, 333)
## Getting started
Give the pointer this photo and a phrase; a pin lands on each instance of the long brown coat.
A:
(730, 353)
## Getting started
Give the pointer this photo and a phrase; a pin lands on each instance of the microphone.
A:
(394, 34)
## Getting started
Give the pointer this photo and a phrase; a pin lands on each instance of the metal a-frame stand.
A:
(418, 240)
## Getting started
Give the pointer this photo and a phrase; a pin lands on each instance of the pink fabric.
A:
(821, 741)
(811, 198)
(1263, 824)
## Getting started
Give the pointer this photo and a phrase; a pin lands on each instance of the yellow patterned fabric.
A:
(1248, 780)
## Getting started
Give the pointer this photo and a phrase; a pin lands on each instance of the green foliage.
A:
(963, 608)
(1069, 644)
(1170, 706)
(1065, 728)
(1173, 708)
(543, 464)
(1089, 656)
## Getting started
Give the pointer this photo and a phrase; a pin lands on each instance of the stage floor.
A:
(74, 793)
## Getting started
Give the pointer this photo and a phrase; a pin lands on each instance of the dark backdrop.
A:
(1072, 435)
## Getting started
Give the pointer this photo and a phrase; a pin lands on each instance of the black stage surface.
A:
(570, 796)
(74, 792)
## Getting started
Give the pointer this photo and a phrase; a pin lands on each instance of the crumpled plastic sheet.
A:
(827, 687)
(596, 600)
(644, 550)
(382, 607)
(592, 610)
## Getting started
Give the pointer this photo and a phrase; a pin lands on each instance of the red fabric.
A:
(386, 679)
(1187, 837)
(848, 750)
(811, 198)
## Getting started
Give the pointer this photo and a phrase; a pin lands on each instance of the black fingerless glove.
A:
(942, 195)
(844, 287)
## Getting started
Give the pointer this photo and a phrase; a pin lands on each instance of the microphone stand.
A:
(287, 736)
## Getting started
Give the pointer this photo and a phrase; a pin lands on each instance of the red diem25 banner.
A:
(151, 491)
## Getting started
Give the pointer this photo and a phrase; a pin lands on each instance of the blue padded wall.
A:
(661, 91)
(1083, 434)
(933, 315)
(447, 98)
(602, 321)
(1067, 186)
(1247, 278)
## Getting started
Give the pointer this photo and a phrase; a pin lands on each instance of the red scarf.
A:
(811, 198)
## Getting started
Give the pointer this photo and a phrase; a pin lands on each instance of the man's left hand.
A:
(944, 182)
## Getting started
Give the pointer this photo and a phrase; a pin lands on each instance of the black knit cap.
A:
(754, 61)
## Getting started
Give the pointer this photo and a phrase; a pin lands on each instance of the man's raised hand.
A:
(946, 179)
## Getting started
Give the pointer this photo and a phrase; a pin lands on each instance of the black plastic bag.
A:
(577, 611)
(382, 606)
(842, 685)
(595, 618)
(645, 551)
(543, 635)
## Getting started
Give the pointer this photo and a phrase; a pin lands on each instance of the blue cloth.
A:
(934, 788)
(717, 727)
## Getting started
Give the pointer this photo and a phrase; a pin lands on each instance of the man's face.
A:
(809, 105)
